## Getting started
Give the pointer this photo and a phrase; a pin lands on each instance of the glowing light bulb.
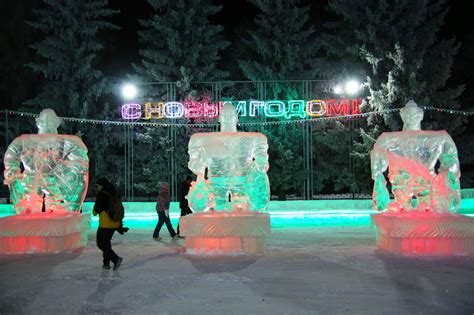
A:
(352, 87)
(129, 91)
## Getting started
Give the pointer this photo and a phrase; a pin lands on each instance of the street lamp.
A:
(129, 91)
(352, 87)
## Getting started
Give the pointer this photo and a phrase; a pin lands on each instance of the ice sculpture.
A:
(47, 166)
(423, 170)
(411, 157)
(231, 174)
(230, 166)
(47, 174)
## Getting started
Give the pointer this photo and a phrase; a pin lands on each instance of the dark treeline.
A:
(73, 56)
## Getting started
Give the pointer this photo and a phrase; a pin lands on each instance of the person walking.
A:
(183, 202)
(106, 191)
(162, 208)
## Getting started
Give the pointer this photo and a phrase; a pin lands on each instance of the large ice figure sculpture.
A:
(423, 170)
(55, 167)
(233, 185)
(47, 174)
(411, 156)
(231, 168)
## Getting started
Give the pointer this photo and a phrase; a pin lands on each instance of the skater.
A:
(162, 208)
(103, 204)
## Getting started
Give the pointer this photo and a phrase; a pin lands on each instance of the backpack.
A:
(116, 211)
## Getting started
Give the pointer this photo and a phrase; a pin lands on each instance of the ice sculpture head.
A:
(48, 121)
(228, 118)
(411, 115)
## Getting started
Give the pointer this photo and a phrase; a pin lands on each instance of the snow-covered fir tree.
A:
(398, 47)
(281, 46)
(72, 82)
(17, 82)
(68, 50)
(179, 44)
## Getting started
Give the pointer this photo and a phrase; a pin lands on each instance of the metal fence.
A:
(241, 90)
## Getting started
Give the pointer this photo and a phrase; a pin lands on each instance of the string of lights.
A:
(257, 123)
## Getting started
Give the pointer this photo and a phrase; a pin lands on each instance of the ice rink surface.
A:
(305, 270)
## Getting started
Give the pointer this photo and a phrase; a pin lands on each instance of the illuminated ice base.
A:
(224, 233)
(43, 233)
(424, 234)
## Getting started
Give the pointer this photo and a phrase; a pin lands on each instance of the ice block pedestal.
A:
(225, 232)
(424, 234)
(43, 233)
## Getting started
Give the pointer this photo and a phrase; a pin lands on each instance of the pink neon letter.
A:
(212, 110)
(131, 111)
(356, 105)
(193, 109)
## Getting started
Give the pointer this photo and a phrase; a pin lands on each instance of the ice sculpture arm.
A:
(12, 174)
(196, 163)
(261, 155)
(379, 164)
(72, 175)
(449, 158)
(446, 188)
(12, 162)
(77, 156)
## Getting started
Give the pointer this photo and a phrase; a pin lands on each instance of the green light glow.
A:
(304, 213)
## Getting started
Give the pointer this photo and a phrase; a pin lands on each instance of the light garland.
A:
(269, 108)
(259, 123)
(449, 111)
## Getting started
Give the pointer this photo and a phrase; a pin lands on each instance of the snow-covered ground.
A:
(312, 270)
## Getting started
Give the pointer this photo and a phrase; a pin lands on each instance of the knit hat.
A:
(103, 181)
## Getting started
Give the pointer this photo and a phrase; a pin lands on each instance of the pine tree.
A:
(180, 45)
(396, 44)
(73, 85)
(154, 166)
(72, 80)
(281, 46)
(105, 145)
(285, 151)
(16, 81)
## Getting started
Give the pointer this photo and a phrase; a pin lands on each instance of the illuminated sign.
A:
(284, 109)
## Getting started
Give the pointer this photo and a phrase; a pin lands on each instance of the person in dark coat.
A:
(103, 205)
(183, 202)
(162, 208)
